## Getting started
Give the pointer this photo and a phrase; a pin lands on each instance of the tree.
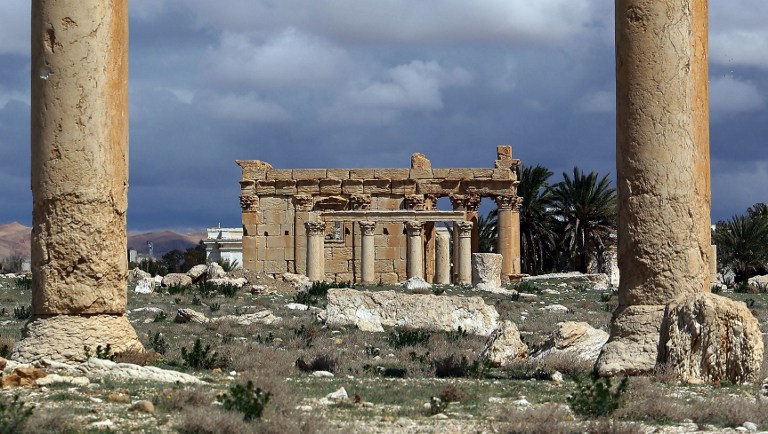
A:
(537, 238)
(585, 209)
(194, 256)
(487, 232)
(173, 260)
(742, 244)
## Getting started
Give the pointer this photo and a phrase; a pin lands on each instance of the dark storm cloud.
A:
(308, 83)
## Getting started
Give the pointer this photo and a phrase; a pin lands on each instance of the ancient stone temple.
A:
(79, 180)
(666, 315)
(375, 225)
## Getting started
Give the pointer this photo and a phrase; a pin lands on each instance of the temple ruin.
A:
(375, 225)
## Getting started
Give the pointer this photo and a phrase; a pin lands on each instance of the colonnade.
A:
(415, 247)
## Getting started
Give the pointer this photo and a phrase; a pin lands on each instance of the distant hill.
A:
(16, 238)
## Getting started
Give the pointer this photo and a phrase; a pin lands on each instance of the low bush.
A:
(200, 357)
(597, 398)
(321, 362)
(318, 292)
(13, 414)
(246, 399)
(22, 312)
(401, 338)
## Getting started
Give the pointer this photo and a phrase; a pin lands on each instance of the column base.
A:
(62, 338)
(633, 347)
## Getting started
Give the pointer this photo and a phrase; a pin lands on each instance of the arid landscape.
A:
(390, 379)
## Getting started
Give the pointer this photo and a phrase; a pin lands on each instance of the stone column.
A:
(315, 250)
(459, 203)
(508, 240)
(472, 203)
(302, 206)
(662, 159)
(79, 144)
(415, 262)
(368, 254)
(442, 257)
(713, 264)
(464, 263)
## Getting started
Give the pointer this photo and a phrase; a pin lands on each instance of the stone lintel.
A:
(394, 216)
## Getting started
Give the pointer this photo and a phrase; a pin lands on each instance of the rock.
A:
(296, 306)
(258, 289)
(559, 308)
(634, 347)
(145, 286)
(323, 374)
(504, 345)
(577, 340)
(102, 424)
(486, 271)
(102, 368)
(215, 271)
(527, 297)
(138, 274)
(190, 315)
(239, 282)
(339, 395)
(415, 283)
(118, 397)
(142, 406)
(158, 280)
(557, 377)
(758, 284)
(711, 338)
(3, 363)
(176, 279)
(372, 310)
(299, 281)
(197, 272)
(750, 426)
(21, 377)
(148, 309)
(261, 317)
(62, 379)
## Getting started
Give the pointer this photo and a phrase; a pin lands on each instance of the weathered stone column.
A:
(442, 257)
(368, 254)
(713, 264)
(415, 261)
(315, 250)
(662, 159)
(302, 206)
(79, 124)
(464, 263)
(508, 241)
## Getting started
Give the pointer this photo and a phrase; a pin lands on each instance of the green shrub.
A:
(246, 399)
(401, 338)
(526, 286)
(23, 283)
(227, 290)
(214, 307)
(160, 317)
(157, 343)
(453, 367)
(456, 335)
(101, 352)
(307, 334)
(228, 265)
(318, 292)
(153, 267)
(321, 362)
(598, 398)
(199, 357)
(13, 414)
(22, 312)
(741, 288)
(178, 289)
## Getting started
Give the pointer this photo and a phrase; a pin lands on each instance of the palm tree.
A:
(487, 233)
(537, 238)
(586, 211)
(742, 245)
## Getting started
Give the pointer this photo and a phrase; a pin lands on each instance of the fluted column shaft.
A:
(368, 254)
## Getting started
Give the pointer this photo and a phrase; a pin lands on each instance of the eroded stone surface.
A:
(712, 338)
(62, 337)
(504, 345)
(576, 340)
(486, 271)
(372, 310)
(176, 279)
(633, 346)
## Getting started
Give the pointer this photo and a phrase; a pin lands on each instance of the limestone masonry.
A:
(374, 225)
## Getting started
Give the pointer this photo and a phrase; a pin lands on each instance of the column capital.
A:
(315, 227)
(472, 202)
(465, 229)
(508, 202)
(302, 202)
(359, 201)
(414, 227)
(367, 227)
(249, 203)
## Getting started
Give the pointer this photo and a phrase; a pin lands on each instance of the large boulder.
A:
(371, 311)
(577, 340)
(215, 271)
(416, 283)
(138, 274)
(711, 338)
(197, 272)
(176, 279)
(634, 346)
(299, 281)
(504, 345)
(758, 284)
(145, 286)
(486, 271)
(239, 282)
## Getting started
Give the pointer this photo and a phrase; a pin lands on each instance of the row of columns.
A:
(415, 260)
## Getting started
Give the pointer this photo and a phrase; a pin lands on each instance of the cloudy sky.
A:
(350, 83)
